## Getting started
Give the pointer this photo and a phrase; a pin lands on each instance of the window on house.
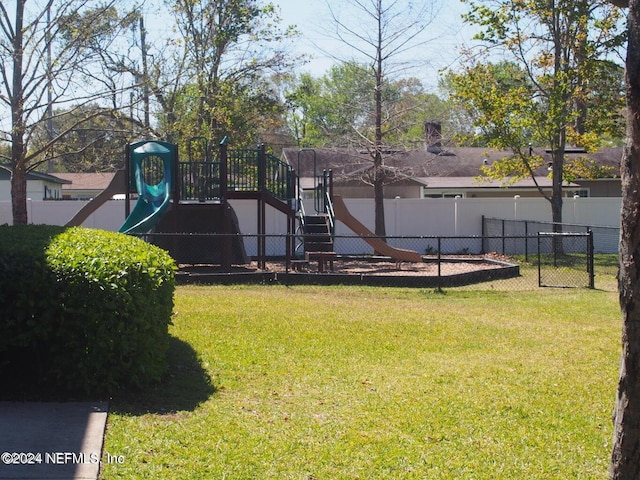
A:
(427, 194)
(582, 193)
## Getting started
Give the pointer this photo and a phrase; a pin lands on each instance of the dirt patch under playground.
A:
(448, 266)
(369, 270)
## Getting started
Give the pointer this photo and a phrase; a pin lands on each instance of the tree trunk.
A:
(19, 196)
(18, 168)
(556, 200)
(625, 458)
(556, 204)
(378, 188)
(379, 179)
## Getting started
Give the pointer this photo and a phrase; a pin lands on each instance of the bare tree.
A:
(49, 56)
(381, 33)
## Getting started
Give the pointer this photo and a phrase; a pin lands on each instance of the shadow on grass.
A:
(184, 386)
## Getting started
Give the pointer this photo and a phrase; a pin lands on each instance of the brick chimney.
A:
(433, 136)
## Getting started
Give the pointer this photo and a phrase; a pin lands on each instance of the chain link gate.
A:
(565, 259)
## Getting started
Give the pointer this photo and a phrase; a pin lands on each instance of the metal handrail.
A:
(301, 215)
(330, 212)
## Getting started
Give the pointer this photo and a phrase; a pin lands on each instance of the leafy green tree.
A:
(410, 109)
(325, 111)
(602, 107)
(214, 77)
(238, 110)
(544, 93)
(300, 95)
(498, 97)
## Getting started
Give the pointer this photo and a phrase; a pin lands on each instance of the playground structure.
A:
(183, 207)
(186, 198)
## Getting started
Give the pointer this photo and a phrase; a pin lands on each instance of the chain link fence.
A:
(448, 262)
(519, 239)
(508, 236)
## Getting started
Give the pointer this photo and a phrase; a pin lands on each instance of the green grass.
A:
(606, 263)
(350, 383)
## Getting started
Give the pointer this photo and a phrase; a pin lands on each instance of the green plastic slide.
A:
(151, 166)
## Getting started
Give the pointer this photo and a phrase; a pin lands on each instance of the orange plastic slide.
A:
(117, 185)
(380, 246)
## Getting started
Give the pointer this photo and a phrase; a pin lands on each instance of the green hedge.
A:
(81, 309)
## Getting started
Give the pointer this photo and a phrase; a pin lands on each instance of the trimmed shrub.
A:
(82, 309)
(26, 287)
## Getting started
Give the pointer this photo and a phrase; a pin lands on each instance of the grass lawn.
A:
(345, 383)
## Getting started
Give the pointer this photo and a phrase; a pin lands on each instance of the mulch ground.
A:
(382, 267)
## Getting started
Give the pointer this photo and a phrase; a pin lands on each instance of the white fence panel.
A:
(403, 217)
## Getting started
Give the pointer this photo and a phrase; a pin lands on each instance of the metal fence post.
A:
(539, 262)
(439, 259)
(262, 167)
(526, 241)
(590, 261)
(484, 234)
(223, 168)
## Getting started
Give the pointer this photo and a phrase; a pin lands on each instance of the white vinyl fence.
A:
(403, 217)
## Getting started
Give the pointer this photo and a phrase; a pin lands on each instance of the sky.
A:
(446, 35)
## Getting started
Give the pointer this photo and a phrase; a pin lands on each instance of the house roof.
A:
(86, 181)
(425, 164)
(475, 182)
(5, 174)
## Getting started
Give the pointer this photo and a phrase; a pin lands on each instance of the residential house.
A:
(436, 172)
(84, 186)
(40, 186)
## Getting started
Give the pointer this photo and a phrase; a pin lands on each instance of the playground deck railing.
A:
(242, 170)
(199, 181)
(248, 170)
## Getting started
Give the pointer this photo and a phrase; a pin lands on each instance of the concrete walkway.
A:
(51, 440)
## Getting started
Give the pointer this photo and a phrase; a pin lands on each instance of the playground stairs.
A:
(318, 241)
